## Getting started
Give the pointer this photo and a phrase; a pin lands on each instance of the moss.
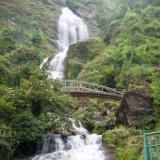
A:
(5, 13)
(127, 141)
(86, 50)
(99, 129)
(81, 53)
(73, 68)
(130, 153)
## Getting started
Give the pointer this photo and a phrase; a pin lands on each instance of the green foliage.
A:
(128, 141)
(56, 85)
(131, 153)
(113, 137)
(107, 77)
(46, 2)
(86, 50)
(5, 13)
(26, 95)
(113, 28)
(7, 142)
(25, 54)
(155, 85)
(60, 2)
(27, 127)
(7, 44)
(3, 68)
(131, 53)
(99, 129)
(6, 111)
(81, 53)
(73, 68)
(147, 123)
(87, 117)
(37, 39)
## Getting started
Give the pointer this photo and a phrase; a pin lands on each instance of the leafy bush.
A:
(131, 153)
(128, 141)
(5, 13)
(99, 129)
(27, 127)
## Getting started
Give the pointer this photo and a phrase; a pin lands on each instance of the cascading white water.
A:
(70, 29)
(78, 147)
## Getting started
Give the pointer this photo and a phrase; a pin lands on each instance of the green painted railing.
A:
(151, 145)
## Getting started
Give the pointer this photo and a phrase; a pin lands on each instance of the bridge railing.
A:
(151, 145)
(73, 85)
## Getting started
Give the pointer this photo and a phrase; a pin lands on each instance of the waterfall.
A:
(77, 147)
(70, 29)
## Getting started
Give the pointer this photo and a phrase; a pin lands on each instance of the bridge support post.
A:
(145, 146)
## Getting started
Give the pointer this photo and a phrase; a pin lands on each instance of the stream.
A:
(70, 29)
(75, 147)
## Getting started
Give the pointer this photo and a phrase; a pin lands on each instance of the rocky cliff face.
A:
(135, 105)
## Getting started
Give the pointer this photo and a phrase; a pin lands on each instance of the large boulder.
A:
(135, 105)
(68, 130)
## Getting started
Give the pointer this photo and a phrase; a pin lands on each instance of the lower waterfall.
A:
(75, 147)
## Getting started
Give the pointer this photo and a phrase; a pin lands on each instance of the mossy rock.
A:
(127, 141)
(81, 53)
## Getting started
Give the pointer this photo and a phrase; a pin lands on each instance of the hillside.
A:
(123, 52)
(30, 23)
(129, 61)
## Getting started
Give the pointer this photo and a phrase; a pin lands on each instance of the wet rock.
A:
(75, 132)
(98, 117)
(136, 104)
(109, 153)
(108, 112)
(82, 109)
(49, 144)
(68, 130)
(110, 123)
(86, 14)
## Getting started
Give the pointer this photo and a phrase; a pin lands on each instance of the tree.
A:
(7, 44)
(4, 70)
(8, 142)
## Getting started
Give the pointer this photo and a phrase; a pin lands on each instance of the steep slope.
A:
(132, 57)
(30, 22)
(127, 52)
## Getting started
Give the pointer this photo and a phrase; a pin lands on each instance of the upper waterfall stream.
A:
(70, 29)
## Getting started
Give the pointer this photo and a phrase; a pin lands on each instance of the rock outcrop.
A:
(86, 14)
(135, 105)
(67, 130)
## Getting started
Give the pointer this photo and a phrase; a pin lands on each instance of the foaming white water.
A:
(70, 29)
(44, 61)
(87, 147)
(80, 128)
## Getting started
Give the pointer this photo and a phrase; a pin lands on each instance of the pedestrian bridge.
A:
(85, 89)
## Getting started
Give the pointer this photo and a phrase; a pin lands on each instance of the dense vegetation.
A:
(27, 30)
(130, 31)
(124, 50)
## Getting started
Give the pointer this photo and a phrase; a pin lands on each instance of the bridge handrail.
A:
(97, 88)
